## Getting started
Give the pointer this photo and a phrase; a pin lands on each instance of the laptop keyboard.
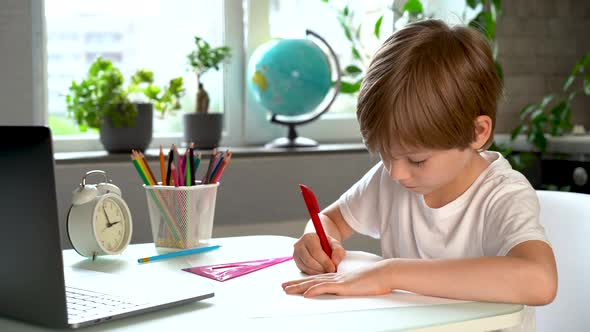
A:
(84, 303)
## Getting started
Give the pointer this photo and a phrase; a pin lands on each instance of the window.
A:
(158, 34)
(134, 34)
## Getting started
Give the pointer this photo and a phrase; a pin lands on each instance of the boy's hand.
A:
(370, 281)
(311, 259)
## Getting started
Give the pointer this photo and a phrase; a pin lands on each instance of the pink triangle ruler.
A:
(227, 271)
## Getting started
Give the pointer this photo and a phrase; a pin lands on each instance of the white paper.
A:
(272, 301)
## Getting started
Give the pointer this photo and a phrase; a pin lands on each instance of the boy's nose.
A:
(398, 171)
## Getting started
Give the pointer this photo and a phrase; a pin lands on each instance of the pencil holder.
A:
(181, 217)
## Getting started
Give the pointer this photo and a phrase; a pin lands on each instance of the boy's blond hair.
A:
(425, 87)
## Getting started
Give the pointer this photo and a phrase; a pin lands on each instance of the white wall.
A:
(258, 194)
(22, 63)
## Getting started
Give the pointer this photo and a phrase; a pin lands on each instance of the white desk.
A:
(222, 312)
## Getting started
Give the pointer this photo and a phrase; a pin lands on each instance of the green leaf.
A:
(546, 100)
(499, 71)
(538, 117)
(378, 26)
(587, 83)
(413, 7)
(473, 3)
(585, 61)
(345, 11)
(568, 82)
(352, 70)
(358, 31)
(325, 1)
(538, 139)
(485, 23)
(347, 32)
(516, 131)
(347, 87)
(356, 54)
(496, 8)
(527, 110)
(558, 118)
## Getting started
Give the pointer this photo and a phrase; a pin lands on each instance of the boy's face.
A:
(428, 171)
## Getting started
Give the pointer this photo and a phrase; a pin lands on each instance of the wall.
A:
(259, 195)
(539, 43)
(22, 63)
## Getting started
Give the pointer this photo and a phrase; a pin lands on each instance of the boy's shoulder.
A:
(500, 172)
(501, 183)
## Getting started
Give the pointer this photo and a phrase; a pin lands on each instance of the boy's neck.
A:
(453, 190)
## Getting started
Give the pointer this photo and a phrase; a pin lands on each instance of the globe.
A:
(289, 77)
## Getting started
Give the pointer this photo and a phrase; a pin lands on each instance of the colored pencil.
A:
(149, 170)
(162, 166)
(180, 170)
(197, 163)
(216, 168)
(210, 167)
(187, 168)
(156, 196)
(143, 167)
(174, 176)
(140, 171)
(176, 162)
(191, 154)
(178, 253)
(219, 173)
(169, 169)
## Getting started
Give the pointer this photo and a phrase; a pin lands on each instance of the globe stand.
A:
(292, 140)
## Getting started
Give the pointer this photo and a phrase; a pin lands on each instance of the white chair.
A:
(566, 218)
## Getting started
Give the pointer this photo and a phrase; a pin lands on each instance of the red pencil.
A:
(313, 208)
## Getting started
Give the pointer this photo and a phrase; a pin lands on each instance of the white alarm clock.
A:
(99, 221)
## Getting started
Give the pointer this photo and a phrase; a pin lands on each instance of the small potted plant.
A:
(123, 115)
(201, 127)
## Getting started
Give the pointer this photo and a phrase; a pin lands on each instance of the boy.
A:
(454, 220)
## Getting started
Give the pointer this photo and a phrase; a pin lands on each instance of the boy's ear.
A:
(483, 130)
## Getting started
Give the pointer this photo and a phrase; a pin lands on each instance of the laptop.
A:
(34, 287)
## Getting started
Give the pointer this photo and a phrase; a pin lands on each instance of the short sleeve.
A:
(359, 204)
(512, 218)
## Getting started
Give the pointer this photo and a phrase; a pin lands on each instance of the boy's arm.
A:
(527, 275)
(333, 223)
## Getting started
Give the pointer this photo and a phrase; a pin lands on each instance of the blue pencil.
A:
(178, 253)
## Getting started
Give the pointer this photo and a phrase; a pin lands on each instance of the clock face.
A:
(111, 224)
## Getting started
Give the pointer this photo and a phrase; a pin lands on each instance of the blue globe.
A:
(289, 76)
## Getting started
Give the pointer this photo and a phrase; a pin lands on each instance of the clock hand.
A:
(109, 224)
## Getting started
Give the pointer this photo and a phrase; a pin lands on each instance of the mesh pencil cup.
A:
(181, 217)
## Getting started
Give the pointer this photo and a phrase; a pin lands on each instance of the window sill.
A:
(573, 147)
(64, 158)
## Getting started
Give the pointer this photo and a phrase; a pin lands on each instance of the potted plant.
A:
(122, 114)
(201, 127)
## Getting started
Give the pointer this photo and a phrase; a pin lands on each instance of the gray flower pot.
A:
(123, 139)
(203, 129)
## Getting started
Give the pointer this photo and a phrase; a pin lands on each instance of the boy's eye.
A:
(418, 163)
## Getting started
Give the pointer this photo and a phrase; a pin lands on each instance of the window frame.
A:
(245, 122)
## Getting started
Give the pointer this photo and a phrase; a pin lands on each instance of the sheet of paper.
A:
(272, 300)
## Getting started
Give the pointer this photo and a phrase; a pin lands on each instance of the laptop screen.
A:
(32, 287)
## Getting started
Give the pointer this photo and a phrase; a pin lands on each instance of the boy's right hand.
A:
(311, 259)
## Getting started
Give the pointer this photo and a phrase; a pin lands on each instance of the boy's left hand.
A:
(371, 280)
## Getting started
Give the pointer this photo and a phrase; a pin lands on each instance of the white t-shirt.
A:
(497, 212)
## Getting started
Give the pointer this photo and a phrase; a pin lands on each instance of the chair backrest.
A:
(566, 218)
